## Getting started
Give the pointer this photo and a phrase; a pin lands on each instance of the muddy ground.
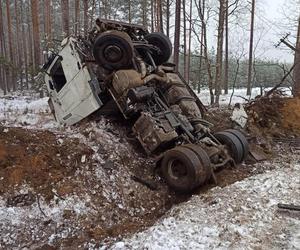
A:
(91, 184)
(44, 169)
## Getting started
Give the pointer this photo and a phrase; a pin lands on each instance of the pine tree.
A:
(296, 74)
(36, 34)
(65, 17)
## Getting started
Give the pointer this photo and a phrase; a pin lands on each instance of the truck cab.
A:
(71, 86)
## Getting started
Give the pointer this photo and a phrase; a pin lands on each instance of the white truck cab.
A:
(71, 97)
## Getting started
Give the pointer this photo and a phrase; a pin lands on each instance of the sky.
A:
(272, 16)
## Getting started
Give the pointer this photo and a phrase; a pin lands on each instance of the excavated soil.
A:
(43, 169)
(291, 115)
(274, 116)
(91, 185)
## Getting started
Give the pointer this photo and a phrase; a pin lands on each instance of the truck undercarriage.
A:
(123, 70)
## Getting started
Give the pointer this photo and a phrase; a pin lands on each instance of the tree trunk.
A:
(190, 43)
(250, 64)
(65, 17)
(159, 16)
(168, 18)
(177, 33)
(77, 18)
(92, 13)
(48, 26)
(226, 66)
(296, 73)
(144, 10)
(184, 41)
(30, 43)
(3, 69)
(129, 11)
(10, 47)
(85, 16)
(36, 34)
(201, 43)
(205, 51)
(219, 56)
(152, 15)
(24, 44)
(19, 55)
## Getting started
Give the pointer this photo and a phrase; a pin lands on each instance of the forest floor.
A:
(84, 187)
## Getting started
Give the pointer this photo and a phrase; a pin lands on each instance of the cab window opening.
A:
(58, 76)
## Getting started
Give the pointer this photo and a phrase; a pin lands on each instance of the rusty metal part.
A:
(142, 66)
(155, 77)
(123, 80)
(104, 24)
(218, 154)
(258, 155)
(153, 133)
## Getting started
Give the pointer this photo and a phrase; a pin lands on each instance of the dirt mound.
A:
(37, 158)
(274, 116)
(80, 187)
(219, 118)
(45, 176)
(291, 115)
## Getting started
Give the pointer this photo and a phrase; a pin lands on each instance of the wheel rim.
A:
(113, 53)
(113, 50)
(177, 169)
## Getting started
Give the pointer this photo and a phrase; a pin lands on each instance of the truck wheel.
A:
(204, 159)
(164, 44)
(182, 169)
(233, 144)
(113, 50)
(242, 139)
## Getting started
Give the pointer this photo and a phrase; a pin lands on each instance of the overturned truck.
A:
(122, 70)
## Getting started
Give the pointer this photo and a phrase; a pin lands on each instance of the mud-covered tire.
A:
(164, 44)
(233, 144)
(181, 169)
(113, 50)
(204, 159)
(242, 139)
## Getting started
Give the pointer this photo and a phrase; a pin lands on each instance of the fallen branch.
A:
(151, 185)
(288, 207)
(246, 99)
(281, 82)
(39, 205)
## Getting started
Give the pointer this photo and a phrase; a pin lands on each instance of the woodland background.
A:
(217, 43)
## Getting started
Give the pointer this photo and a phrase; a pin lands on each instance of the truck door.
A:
(72, 84)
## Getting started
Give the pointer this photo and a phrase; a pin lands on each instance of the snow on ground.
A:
(239, 95)
(25, 111)
(30, 217)
(243, 215)
(32, 112)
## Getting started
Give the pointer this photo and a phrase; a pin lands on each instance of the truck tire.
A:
(233, 144)
(113, 50)
(204, 159)
(164, 44)
(182, 169)
(242, 139)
